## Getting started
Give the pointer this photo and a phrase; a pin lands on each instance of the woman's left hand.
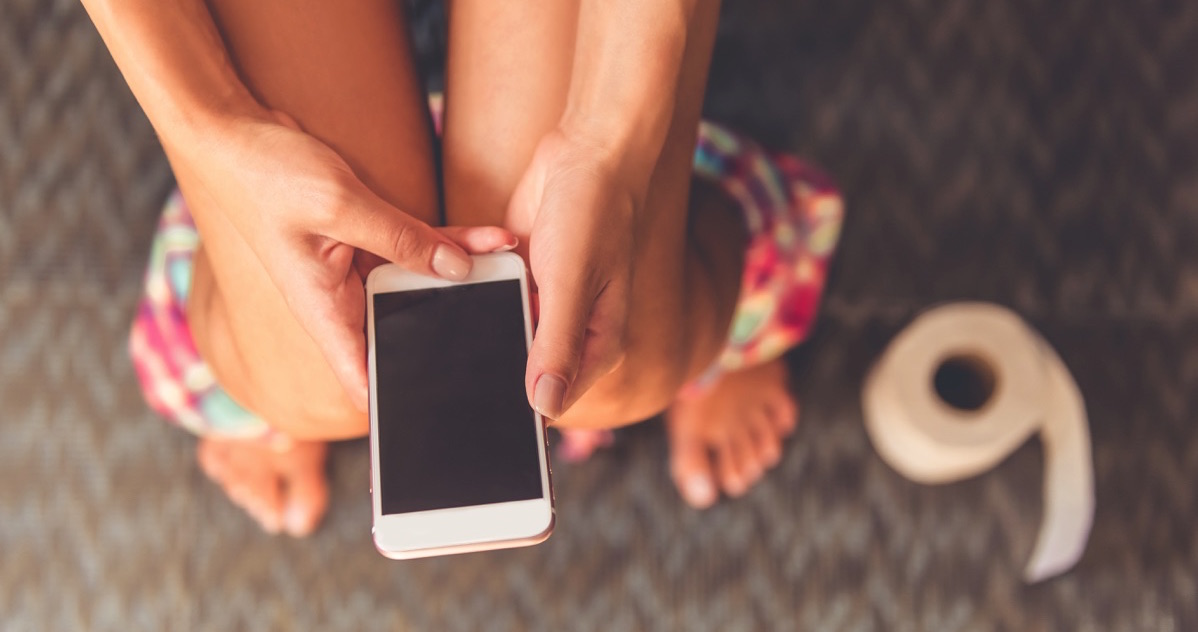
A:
(583, 218)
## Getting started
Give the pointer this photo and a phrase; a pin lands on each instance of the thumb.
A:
(557, 345)
(579, 339)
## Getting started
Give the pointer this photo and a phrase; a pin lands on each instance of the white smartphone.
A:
(459, 459)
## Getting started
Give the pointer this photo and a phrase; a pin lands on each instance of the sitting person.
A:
(305, 155)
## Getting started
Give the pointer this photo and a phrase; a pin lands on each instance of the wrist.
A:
(189, 119)
(626, 97)
(624, 84)
(624, 167)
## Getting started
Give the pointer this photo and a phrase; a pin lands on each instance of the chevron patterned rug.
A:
(1041, 154)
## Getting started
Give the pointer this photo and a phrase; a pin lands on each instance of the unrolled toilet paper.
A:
(931, 441)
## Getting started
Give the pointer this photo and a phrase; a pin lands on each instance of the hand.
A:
(318, 230)
(581, 244)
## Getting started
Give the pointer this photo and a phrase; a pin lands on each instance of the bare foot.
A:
(578, 444)
(283, 490)
(728, 436)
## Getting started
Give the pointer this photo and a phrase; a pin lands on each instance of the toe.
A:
(579, 444)
(213, 458)
(784, 413)
(767, 445)
(262, 499)
(690, 467)
(733, 456)
(752, 468)
(254, 487)
(307, 501)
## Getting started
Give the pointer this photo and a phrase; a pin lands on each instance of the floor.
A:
(1040, 154)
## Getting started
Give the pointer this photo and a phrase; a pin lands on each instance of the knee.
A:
(642, 386)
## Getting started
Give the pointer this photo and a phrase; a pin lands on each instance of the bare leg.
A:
(344, 72)
(509, 68)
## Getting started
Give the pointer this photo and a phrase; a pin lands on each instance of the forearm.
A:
(172, 55)
(625, 78)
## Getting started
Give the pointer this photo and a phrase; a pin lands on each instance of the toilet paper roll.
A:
(928, 440)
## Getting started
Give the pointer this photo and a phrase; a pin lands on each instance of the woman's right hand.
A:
(312, 222)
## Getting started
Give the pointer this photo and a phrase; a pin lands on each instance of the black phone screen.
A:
(454, 426)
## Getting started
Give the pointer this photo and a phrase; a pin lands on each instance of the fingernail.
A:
(549, 395)
(700, 492)
(511, 245)
(451, 264)
(297, 521)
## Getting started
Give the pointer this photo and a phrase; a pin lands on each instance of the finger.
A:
(366, 221)
(344, 347)
(565, 309)
(366, 262)
(603, 347)
(480, 239)
(335, 319)
(553, 363)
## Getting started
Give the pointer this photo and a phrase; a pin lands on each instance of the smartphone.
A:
(459, 459)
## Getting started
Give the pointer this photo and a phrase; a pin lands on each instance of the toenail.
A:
(699, 491)
(297, 521)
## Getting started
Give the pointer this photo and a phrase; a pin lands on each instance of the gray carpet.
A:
(1038, 153)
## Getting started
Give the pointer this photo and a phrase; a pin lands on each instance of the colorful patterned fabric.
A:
(175, 381)
(793, 214)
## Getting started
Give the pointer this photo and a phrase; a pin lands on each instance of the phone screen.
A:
(454, 425)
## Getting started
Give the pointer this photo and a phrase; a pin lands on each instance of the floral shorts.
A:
(792, 211)
(175, 381)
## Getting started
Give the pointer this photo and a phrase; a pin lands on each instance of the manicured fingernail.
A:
(510, 245)
(700, 492)
(549, 395)
(297, 521)
(451, 264)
